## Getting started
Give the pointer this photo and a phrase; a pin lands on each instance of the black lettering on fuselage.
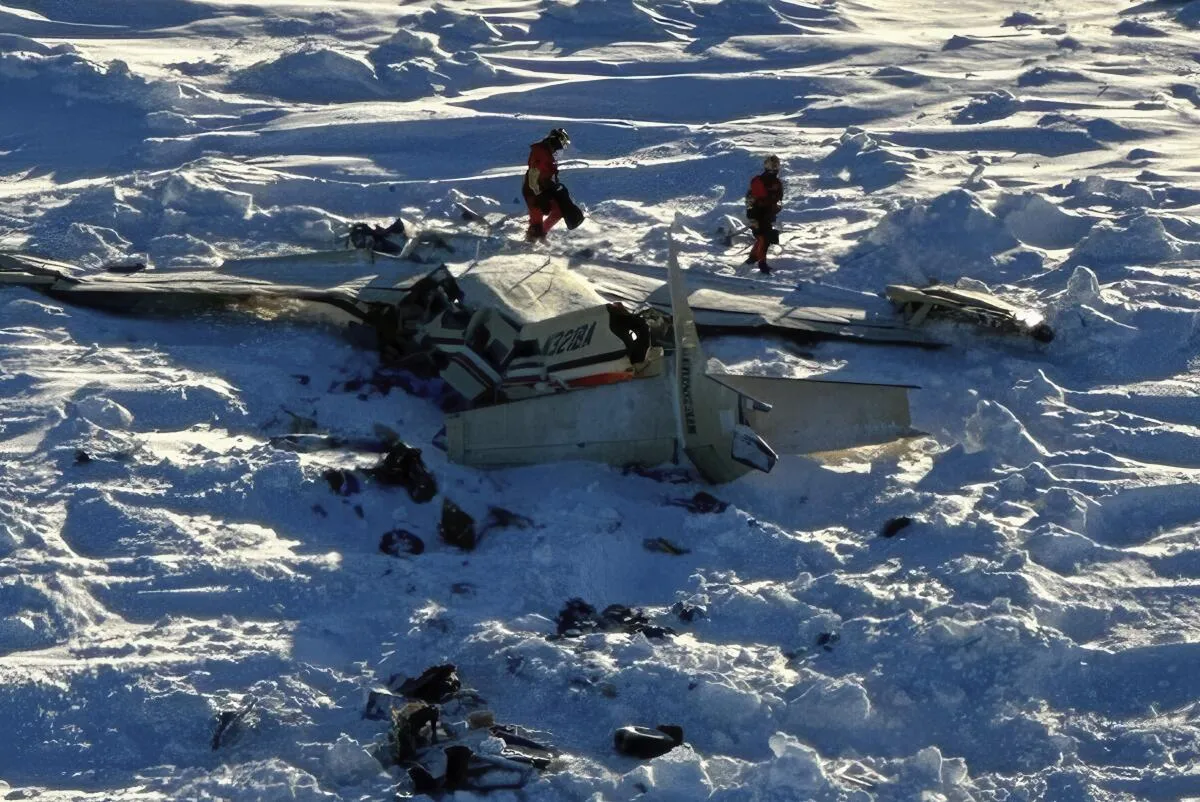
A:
(685, 391)
(569, 340)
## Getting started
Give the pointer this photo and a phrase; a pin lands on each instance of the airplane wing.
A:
(722, 304)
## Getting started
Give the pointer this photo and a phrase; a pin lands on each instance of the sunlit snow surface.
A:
(1033, 635)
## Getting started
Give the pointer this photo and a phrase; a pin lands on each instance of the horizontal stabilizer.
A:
(811, 415)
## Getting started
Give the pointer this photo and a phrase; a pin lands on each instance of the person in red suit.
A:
(763, 203)
(541, 184)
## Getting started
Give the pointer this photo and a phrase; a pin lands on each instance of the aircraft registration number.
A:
(569, 340)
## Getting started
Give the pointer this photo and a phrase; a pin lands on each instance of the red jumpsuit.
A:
(763, 204)
(540, 179)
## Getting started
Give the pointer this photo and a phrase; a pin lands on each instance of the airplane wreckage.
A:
(590, 360)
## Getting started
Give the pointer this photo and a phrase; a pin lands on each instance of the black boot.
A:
(763, 267)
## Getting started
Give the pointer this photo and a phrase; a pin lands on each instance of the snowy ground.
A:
(1033, 635)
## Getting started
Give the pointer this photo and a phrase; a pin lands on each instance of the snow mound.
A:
(1035, 220)
(797, 769)
(404, 45)
(346, 762)
(1096, 190)
(1019, 19)
(1083, 288)
(103, 412)
(15, 43)
(611, 20)
(41, 611)
(828, 705)
(994, 429)
(411, 65)
(450, 205)
(88, 245)
(69, 75)
(987, 107)
(1101, 129)
(318, 75)
(459, 29)
(322, 22)
(1139, 238)
(950, 236)
(724, 18)
(677, 776)
(1189, 15)
(861, 159)
(271, 780)
(182, 250)
(194, 192)
(1041, 76)
(1134, 27)
(899, 76)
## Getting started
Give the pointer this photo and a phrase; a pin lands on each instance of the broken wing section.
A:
(972, 306)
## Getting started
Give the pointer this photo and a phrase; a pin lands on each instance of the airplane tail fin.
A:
(711, 426)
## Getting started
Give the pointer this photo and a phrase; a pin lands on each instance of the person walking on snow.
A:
(541, 184)
(763, 203)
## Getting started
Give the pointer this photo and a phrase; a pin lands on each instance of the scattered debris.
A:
(403, 466)
(500, 518)
(341, 481)
(230, 723)
(436, 684)
(407, 735)
(520, 746)
(400, 541)
(381, 703)
(476, 754)
(580, 618)
(894, 525)
(702, 502)
(82, 457)
(302, 424)
(664, 546)
(826, 640)
(859, 775)
(645, 743)
(688, 612)
(672, 476)
(423, 782)
(365, 236)
(456, 527)
(481, 719)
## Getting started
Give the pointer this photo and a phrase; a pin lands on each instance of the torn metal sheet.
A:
(971, 306)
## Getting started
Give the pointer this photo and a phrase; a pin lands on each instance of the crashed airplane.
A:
(552, 361)
(726, 425)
